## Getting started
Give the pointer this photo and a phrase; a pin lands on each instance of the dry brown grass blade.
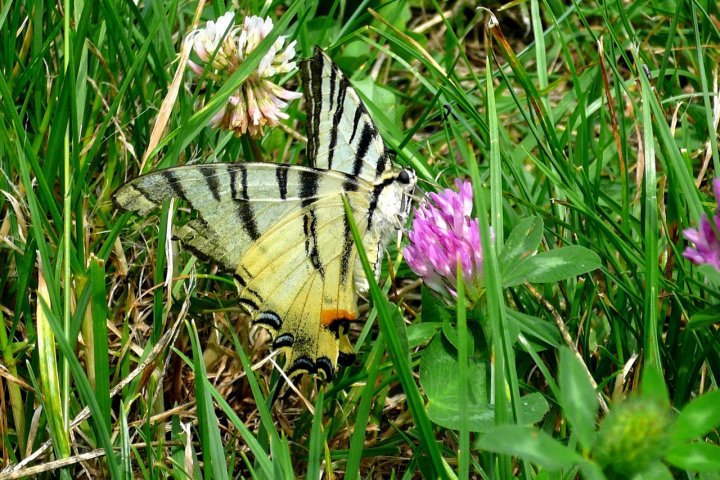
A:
(169, 100)
(51, 466)
(611, 107)
(167, 339)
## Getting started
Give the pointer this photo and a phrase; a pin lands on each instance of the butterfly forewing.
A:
(235, 203)
(341, 134)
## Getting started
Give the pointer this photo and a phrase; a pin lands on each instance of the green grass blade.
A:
(699, 49)
(86, 393)
(362, 415)
(462, 378)
(652, 288)
(317, 438)
(100, 339)
(210, 439)
(400, 357)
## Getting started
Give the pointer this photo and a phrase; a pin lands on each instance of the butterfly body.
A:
(281, 230)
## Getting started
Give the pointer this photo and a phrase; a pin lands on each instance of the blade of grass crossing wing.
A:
(262, 403)
(400, 358)
(210, 440)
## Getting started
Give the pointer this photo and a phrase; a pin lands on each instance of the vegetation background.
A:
(588, 124)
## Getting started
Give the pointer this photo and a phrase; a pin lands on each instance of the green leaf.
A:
(653, 387)
(439, 364)
(705, 317)
(711, 274)
(421, 333)
(656, 471)
(380, 98)
(698, 417)
(434, 309)
(529, 444)
(553, 266)
(535, 327)
(698, 457)
(451, 335)
(578, 397)
(521, 244)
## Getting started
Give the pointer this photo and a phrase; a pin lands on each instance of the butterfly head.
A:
(394, 191)
(407, 180)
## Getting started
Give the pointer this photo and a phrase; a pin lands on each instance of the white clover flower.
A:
(205, 43)
(258, 101)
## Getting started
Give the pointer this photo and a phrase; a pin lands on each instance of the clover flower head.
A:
(444, 233)
(705, 237)
(631, 437)
(213, 40)
(223, 46)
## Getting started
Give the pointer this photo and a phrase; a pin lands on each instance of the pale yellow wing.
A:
(297, 280)
(282, 231)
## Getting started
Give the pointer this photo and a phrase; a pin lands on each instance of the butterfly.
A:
(281, 230)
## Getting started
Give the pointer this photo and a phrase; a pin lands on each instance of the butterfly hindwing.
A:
(306, 298)
(341, 134)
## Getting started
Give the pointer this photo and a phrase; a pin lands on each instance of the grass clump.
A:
(589, 134)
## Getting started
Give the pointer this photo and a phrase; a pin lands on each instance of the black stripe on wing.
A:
(337, 116)
(174, 183)
(247, 218)
(311, 73)
(282, 177)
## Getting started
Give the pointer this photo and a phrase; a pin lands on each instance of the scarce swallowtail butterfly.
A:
(281, 230)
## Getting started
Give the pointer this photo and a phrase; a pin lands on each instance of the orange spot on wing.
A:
(328, 317)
